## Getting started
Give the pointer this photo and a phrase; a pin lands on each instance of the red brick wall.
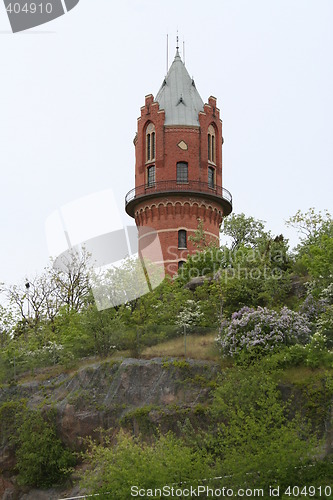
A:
(172, 212)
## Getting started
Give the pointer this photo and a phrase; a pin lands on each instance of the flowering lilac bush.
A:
(256, 332)
(312, 308)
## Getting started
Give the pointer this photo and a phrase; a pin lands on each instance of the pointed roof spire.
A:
(177, 46)
(178, 95)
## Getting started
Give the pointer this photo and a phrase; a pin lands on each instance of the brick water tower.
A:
(178, 170)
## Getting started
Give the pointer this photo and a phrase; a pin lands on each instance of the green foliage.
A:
(64, 325)
(11, 418)
(68, 327)
(317, 353)
(199, 239)
(258, 442)
(140, 418)
(242, 230)
(314, 255)
(310, 224)
(314, 355)
(206, 262)
(42, 460)
(317, 399)
(324, 326)
(313, 480)
(255, 442)
(104, 330)
(130, 462)
(258, 275)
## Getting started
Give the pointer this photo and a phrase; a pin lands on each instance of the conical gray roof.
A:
(179, 97)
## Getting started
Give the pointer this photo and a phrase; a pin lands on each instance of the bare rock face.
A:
(132, 392)
(74, 426)
(7, 490)
(195, 282)
(7, 458)
(40, 495)
(98, 395)
(34, 494)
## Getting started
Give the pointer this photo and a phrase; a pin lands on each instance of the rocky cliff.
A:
(137, 394)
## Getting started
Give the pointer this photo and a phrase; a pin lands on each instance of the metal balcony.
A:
(162, 188)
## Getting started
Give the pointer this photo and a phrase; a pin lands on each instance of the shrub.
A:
(115, 468)
(317, 353)
(312, 307)
(294, 355)
(256, 332)
(260, 441)
(325, 326)
(42, 459)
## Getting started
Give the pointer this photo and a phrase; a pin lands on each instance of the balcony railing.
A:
(193, 187)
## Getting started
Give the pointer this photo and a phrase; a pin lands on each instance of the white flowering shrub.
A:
(256, 332)
(190, 315)
(324, 326)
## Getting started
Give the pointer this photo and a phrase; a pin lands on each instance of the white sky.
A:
(71, 92)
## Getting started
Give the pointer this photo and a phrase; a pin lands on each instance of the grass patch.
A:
(299, 375)
(201, 347)
(42, 374)
(197, 347)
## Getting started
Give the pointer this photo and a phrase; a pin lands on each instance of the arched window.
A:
(150, 142)
(182, 239)
(182, 172)
(211, 144)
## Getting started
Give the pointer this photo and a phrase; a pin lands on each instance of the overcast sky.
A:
(71, 92)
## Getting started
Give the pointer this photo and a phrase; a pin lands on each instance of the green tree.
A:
(314, 255)
(42, 460)
(115, 468)
(310, 224)
(242, 230)
(258, 441)
(199, 238)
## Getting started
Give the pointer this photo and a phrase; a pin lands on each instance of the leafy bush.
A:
(130, 462)
(312, 307)
(317, 353)
(325, 326)
(314, 354)
(42, 459)
(11, 418)
(294, 355)
(259, 441)
(252, 333)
